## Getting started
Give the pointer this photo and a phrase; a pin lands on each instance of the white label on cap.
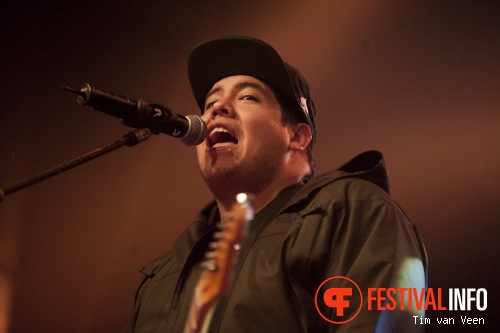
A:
(303, 103)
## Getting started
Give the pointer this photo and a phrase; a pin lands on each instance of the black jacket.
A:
(341, 223)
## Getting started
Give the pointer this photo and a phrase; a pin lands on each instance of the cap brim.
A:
(216, 59)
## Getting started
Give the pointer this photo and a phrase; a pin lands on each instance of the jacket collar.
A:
(369, 166)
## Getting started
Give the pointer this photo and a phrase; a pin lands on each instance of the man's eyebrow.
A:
(239, 86)
(211, 92)
(248, 84)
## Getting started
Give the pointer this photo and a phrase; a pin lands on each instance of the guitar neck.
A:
(215, 279)
(199, 318)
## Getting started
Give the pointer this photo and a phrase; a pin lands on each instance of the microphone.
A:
(191, 130)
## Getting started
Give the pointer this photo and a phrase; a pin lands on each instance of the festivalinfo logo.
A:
(339, 300)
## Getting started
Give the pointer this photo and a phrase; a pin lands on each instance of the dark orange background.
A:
(418, 80)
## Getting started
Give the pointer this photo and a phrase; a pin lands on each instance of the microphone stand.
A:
(130, 139)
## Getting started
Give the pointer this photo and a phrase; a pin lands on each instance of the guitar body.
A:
(218, 267)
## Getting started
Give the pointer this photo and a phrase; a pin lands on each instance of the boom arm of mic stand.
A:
(130, 139)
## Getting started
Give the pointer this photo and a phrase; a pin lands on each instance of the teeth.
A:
(219, 129)
(221, 135)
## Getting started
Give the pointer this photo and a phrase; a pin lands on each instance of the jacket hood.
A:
(369, 166)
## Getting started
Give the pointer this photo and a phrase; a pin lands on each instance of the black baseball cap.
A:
(218, 58)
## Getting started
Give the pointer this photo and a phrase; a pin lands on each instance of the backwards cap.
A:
(216, 59)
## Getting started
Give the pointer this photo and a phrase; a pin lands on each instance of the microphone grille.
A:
(197, 131)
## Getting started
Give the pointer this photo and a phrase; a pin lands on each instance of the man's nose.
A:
(222, 108)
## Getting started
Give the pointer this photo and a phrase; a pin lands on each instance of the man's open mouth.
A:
(220, 136)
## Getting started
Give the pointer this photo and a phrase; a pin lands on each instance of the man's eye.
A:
(249, 98)
(209, 105)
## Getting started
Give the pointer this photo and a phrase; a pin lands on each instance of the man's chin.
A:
(219, 180)
(219, 157)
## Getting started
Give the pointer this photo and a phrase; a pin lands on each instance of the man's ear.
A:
(301, 136)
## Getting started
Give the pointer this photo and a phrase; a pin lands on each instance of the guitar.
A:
(215, 278)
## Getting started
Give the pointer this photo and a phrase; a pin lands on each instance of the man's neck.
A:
(261, 199)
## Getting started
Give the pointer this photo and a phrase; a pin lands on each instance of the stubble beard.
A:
(251, 177)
